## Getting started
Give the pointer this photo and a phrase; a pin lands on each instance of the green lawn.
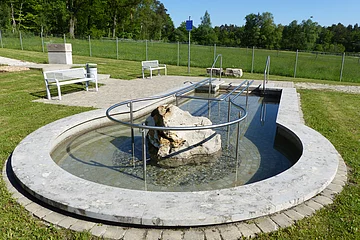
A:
(335, 115)
(309, 65)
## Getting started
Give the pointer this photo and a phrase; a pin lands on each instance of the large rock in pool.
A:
(176, 148)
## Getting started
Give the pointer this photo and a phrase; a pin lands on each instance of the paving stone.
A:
(114, 232)
(172, 235)
(328, 193)
(193, 234)
(212, 234)
(67, 222)
(153, 234)
(82, 225)
(21, 199)
(135, 233)
(304, 210)
(323, 200)
(266, 225)
(248, 230)
(338, 181)
(335, 187)
(282, 220)
(42, 212)
(33, 207)
(229, 231)
(98, 230)
(314, 205)
(54, 217)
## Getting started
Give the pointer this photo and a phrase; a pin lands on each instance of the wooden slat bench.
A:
(68, 76)
(151, 66)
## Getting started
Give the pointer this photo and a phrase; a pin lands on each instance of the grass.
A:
(334, 114)
(309, 65)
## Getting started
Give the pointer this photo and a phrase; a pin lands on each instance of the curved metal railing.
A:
(130, 104)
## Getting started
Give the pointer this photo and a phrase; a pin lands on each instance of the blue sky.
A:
(325, 12)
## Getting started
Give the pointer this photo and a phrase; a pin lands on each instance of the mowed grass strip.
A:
(309, 65)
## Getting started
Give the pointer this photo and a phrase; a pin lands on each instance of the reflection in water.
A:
(105, 156)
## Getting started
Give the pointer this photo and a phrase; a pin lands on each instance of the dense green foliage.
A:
(148, 19)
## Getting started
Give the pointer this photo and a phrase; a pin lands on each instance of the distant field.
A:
(310, 65)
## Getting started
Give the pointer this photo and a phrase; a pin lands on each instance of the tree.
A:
(267, 26)
(204, 34)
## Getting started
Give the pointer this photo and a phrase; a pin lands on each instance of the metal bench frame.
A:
(68, 76)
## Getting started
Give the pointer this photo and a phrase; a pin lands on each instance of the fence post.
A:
(252, 60)
(117, 48)
(214, 51)
(64, 38)
(178, 55)
(146, 49)
(90, 47)
(1, 40)
(42, 39)
(21, 43)
(342, 66)
(296, 61)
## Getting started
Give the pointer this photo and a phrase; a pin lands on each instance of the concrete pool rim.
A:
(42, 178)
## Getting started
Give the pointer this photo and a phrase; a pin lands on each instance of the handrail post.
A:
(143, 135)
(132, 132)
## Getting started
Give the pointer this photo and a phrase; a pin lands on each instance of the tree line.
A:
(148, 19)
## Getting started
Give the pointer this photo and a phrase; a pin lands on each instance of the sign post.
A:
(189, 25)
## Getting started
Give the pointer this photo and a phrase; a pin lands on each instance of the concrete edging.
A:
(42, 178)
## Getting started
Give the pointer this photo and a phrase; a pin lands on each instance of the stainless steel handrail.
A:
(266, 73)
(142, 127)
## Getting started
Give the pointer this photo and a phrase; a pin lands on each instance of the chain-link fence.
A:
(316, 65)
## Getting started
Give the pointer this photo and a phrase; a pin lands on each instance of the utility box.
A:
(60, 53)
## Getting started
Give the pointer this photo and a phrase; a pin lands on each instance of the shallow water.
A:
(104, 155)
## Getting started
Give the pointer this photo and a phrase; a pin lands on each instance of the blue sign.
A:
(189, 25)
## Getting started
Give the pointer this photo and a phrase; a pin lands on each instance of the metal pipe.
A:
(117, 48)
(90, 46)
(342, 66)
(132, 131)
(252, 60)
(237, 139)
(143, 135)
(296, 62)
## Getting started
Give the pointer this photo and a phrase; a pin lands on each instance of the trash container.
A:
(91, 70)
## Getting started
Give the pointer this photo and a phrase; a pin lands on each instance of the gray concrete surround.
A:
(41, 177)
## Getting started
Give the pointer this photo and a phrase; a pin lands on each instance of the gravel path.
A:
(318, 86)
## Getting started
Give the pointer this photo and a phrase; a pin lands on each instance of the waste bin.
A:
(91, 70)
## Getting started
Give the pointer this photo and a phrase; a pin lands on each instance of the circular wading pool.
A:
(189, 202)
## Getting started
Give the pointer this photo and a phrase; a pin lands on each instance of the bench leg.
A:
(150, 74)
(159, 72)
(48, 92)
(96, 85)
(59, 91)
(87, 85)
(165, 72)
(143, 74)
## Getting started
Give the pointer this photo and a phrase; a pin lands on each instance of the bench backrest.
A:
(152, 63)
(66, 74)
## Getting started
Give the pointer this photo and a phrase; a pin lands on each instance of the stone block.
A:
(172, 235)
(266, 225)
(212, 234)
(60, 53)
(193, 234)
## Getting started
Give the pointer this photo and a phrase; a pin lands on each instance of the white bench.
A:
(68, 76)
(151, 66)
